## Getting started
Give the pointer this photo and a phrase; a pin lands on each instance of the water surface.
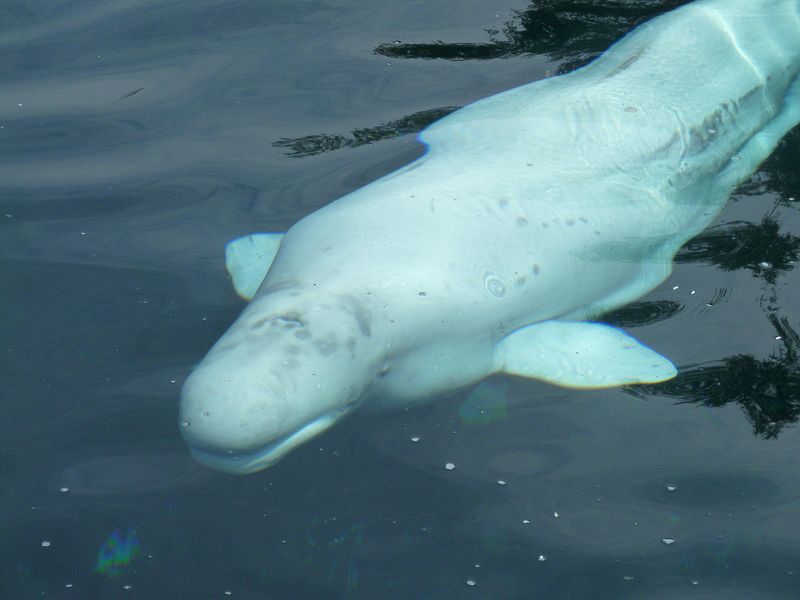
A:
(138, 137)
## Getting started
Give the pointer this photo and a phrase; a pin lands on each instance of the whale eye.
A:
(287, 321)
(494, 285)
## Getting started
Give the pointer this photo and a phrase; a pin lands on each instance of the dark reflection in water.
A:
(572, 33)
(762, 249)
(779, 173)
(643, 313)
(315, 144)
(767, 390)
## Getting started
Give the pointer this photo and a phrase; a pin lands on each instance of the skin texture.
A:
(547, 204)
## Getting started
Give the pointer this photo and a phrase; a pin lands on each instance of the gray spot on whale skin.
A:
(326, 345)
(360, 313)
(625, 64)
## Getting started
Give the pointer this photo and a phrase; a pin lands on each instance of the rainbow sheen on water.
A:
(117, 552)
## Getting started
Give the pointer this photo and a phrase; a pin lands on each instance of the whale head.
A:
(284, 372)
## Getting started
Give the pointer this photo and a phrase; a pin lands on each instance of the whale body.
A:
(532, 212)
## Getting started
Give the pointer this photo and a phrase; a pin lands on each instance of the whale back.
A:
(680, 93)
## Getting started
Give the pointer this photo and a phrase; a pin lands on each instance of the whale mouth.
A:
(244, 463)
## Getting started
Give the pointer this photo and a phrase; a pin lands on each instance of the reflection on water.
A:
(570, 33)
(117, 552)
(766, 390)
(762, 249)
(315, 144)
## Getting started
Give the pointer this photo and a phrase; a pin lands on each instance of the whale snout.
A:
(241, 413)
(283, 373)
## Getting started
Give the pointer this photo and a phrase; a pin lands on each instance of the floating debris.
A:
(131, 93)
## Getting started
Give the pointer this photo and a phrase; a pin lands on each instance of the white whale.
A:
(533, 211)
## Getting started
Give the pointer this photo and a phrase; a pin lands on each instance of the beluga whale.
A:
(532, 213)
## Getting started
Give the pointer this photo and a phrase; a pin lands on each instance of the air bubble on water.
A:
(668, 541)
(695, 582)
(63, 490)
(415, 439)
(628, 577)
(185, 423)
(449, 466)
(675, 287)
(471, 582)
(45, 544)
(542, 558)
(127, 586)
(765, 265)
(671, 488)
(526, 521)
(555, 514)
(228, 593)
(69, 585)
(501, 482)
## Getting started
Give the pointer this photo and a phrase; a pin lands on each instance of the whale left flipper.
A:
(580, 355)
(247, 260)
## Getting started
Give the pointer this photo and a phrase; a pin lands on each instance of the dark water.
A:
(138, 137)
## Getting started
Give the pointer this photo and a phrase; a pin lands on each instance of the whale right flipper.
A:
(247, 260)
(580, 355)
